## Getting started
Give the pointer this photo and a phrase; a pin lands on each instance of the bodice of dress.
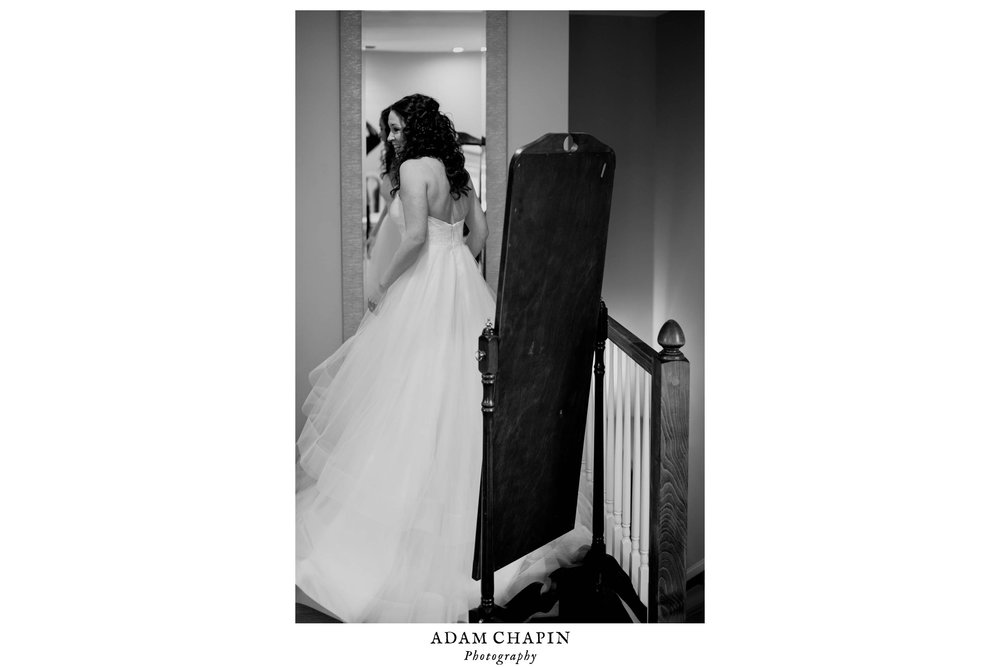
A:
(439, 232)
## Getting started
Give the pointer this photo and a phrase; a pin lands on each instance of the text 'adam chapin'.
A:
(501, 637)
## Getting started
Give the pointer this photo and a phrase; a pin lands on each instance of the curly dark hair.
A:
(388, 151)
(426, 133)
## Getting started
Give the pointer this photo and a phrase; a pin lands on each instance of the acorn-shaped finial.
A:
(671, 340)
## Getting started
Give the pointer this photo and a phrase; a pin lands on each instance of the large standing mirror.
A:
(460, 59)
(440, 54)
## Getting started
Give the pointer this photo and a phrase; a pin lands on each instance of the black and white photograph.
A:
(468, 340)
(496, 330)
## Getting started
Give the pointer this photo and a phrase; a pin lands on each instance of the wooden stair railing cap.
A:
(671, 340)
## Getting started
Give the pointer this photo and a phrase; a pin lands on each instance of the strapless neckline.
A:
(396, 209)
(445, 222)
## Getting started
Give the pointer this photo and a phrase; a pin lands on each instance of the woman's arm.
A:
(385, 194)
(374, 231)
(478, 231)
(413, 182)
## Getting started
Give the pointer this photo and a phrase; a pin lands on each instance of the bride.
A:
(391, 451)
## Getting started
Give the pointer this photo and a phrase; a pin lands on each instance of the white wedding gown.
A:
(392, 448)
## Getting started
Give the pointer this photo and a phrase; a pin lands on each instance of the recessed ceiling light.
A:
(457, 49)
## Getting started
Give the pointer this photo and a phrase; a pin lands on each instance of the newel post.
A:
(670, 406)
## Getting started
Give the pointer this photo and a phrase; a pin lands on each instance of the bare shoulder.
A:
(418, 166)
(415, 173)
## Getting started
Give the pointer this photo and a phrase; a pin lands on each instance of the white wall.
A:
(453, 79)
(318, 305)
(613, 99)
(537, 76)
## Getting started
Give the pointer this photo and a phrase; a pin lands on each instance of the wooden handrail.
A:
(637, 350)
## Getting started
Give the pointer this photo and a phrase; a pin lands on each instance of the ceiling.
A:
(625, 13)
(438, 32)
(423, 31)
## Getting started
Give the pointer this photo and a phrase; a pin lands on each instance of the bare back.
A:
(440, 203)
(426, 194)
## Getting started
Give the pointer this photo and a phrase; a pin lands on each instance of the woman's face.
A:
(395, 131)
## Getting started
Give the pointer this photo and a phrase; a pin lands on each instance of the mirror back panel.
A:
(551, 271)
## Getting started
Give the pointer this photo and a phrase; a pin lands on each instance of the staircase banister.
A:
(641, 353)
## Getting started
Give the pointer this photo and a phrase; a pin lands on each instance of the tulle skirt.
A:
(391, 453)
(392, 449)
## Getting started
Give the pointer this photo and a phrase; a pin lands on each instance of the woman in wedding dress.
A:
(391, 451)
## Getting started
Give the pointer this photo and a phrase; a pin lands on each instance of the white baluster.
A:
(637, 426)
(609, 445)
(626, 472)
(619, 438)
(644, 533)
